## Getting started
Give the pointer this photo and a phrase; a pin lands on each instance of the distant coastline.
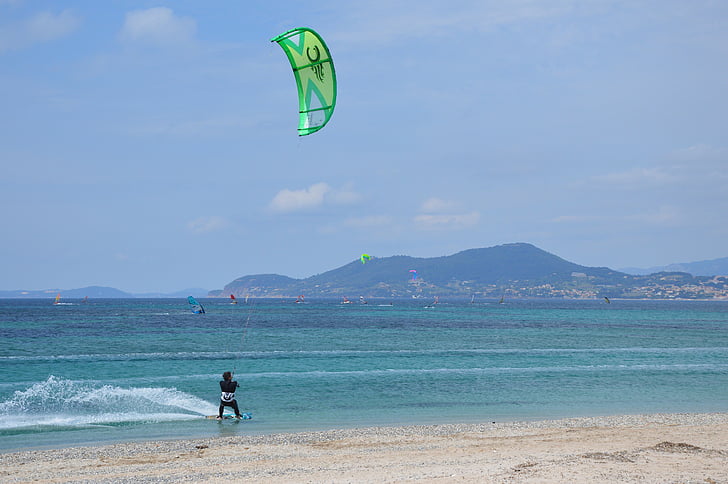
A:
(512, 271)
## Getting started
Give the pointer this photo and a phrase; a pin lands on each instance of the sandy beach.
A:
(664, 448)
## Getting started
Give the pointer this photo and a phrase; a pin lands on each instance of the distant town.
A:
(666, 286)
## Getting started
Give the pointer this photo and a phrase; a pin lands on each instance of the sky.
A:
(151, 146)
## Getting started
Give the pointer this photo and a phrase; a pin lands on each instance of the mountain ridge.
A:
(517, 269)
(711, 267)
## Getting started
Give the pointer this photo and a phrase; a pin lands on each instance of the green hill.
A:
(483, 272)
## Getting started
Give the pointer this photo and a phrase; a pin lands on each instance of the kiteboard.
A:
(229, 416)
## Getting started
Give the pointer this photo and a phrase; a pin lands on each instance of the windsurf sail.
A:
(232, 299)
(58, 299)
(434, 302)
(313, 69)
(195, 306)
(607, 299)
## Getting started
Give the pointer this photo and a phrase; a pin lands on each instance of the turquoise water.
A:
(115, 370)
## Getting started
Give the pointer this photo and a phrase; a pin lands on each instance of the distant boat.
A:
(232, 299)
(345, 301)
(58, 299)
(195, 307)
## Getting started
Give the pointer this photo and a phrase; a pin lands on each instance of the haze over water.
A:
(111, 370)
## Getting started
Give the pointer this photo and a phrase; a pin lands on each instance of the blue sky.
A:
(152, 145)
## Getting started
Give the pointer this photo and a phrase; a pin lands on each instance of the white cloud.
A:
(315, 196)
(42, 27)
(204, 225)
(296, 200)
(158, 25)
(444, 214)
(445, 221)
(438, 205)
(696, 171)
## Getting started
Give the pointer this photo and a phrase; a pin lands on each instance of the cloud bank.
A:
(315, 196)
(158, 26)
(40, 28)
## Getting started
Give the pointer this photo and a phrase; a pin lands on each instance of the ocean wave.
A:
(61, 402)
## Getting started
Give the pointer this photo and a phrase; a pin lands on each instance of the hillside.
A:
(516, 269)
(95, 292)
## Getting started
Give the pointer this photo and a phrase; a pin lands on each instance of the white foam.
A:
(60, 402)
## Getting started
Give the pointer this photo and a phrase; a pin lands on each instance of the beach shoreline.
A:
(626, 448)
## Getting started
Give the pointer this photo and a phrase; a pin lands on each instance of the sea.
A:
(116, 370)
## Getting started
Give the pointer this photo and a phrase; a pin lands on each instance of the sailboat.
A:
(232, 299)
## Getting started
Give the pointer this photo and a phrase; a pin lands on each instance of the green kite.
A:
(315, 77)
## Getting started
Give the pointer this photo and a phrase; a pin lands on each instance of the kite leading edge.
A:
(313, 69)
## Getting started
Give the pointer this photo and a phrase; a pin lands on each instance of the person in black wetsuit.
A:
(227, 397)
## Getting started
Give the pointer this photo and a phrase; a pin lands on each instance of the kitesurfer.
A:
(227, 397)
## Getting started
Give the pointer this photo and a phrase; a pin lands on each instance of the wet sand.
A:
(659, 448)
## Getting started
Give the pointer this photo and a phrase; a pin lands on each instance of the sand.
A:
(659, 448)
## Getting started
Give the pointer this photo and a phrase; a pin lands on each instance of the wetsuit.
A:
(227, 398)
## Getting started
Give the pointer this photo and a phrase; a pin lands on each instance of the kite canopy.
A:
(364, 258)
(315, 77)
